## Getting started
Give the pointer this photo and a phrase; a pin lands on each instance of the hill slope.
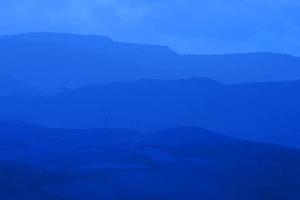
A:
(259, 111)
(170, 164)
(11, 86)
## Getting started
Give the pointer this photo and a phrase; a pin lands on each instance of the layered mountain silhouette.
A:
(105, 124)
(258, 111)
(51, 60)
(173, 164)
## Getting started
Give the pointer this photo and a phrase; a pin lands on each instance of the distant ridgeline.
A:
(50, 61)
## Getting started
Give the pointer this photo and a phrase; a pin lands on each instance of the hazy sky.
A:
(193, 26)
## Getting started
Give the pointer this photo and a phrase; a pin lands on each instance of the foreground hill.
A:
(182, 163)
(50, 60)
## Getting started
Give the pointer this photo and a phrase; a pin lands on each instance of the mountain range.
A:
(50, 61)
(85, 117)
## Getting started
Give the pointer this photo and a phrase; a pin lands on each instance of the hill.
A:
(169, 164)
(257, 111)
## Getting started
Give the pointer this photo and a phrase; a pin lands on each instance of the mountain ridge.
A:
(55, 60)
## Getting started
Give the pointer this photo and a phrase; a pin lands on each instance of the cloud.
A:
(81, 15)
(204, 26)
